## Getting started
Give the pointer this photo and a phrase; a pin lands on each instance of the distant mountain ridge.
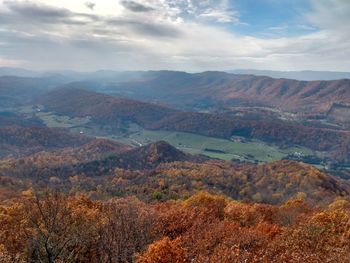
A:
(307, 75)
(219, 89)
(206, 90)
(18, 91)
(18, 72)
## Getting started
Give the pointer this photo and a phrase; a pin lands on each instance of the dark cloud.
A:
(136, 7)
(145, 28)
(156, 30)
(28, 13)
(90, 5)
(29, 9)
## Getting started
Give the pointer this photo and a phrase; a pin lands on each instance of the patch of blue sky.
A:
(271, 18)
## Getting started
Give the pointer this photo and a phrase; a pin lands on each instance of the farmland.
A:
(247, 150)
(252, 150)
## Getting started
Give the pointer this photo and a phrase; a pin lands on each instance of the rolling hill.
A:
(307, 75)
(162, 170)
(16, 91)
(150, 156)
(95, 158)
(273, 182)
(217, 89)
(45, 162)
(199, 91)
(101, 107)
(21, 141)
(8, 118)
(104, 109)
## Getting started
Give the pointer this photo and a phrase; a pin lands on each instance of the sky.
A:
(189, 35)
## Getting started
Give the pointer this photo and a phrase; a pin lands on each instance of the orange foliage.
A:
(164, 251)
(204, 228)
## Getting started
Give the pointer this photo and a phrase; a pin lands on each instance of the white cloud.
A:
(10, 62)
(164, 34)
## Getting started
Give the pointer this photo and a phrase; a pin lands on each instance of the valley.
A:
(172, 139)
(239, 148)
(241, 132)
(90, 156)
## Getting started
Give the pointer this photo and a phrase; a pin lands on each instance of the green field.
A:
(226, 149)
(52, 120)
(252, 150)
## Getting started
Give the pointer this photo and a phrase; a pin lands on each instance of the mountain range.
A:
(307, 75)
(118, 112)
(327, 100)
(51, 129)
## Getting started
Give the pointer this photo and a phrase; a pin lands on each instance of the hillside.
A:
(159, 171)
(307, 75)
(218, 89)
(142, 158)
(21, 141)
(16, 91)
(13, 119)
(202, 228)
(44, 163)
(101, 107)
(272, 183)
(207, 90)
(97, 149)
(118, 112)
(280, 132)
(95, 159)
(150, 156)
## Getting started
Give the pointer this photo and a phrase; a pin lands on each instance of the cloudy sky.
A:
(192, 35)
